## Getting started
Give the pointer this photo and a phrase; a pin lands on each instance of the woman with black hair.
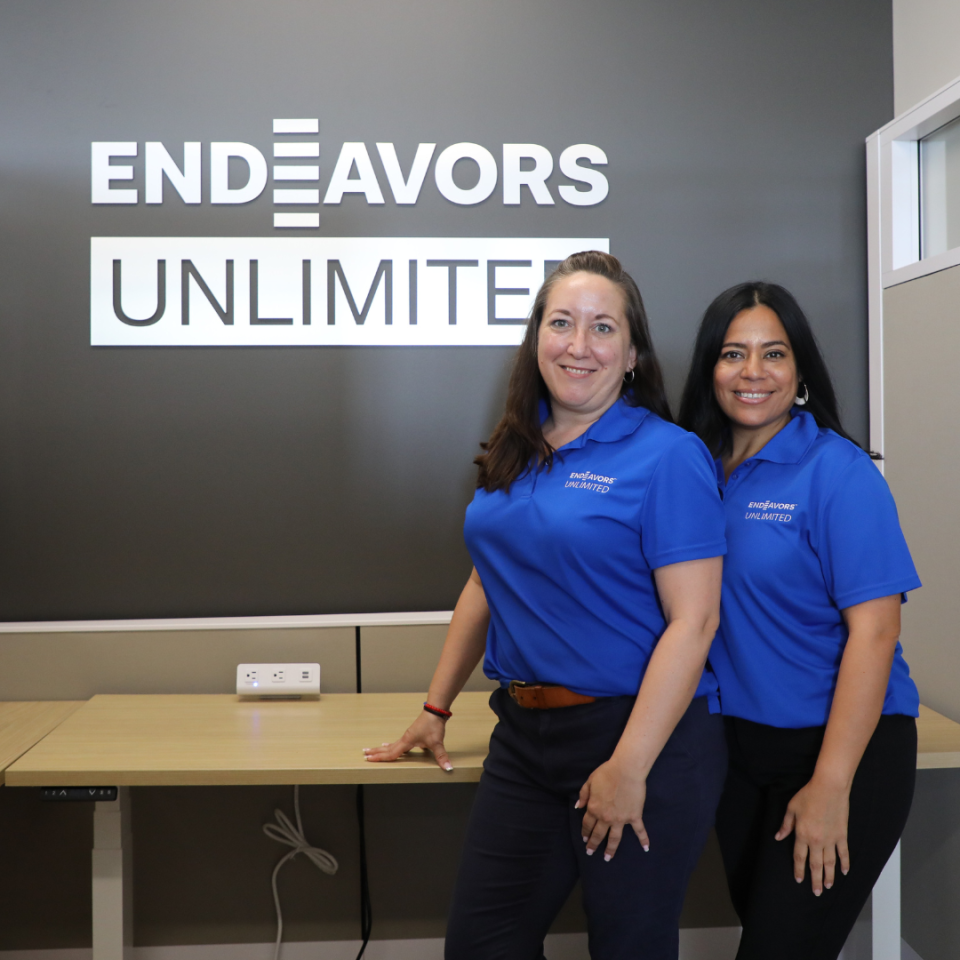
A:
(597, 533)
(818, 702)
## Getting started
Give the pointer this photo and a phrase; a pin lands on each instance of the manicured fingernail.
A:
(817, 893)
(589, 852)
(827, 886)
(384, 744)
(798, 879)
(646, 847)
(576, 806)
(606, 858)
(448, 768)
(845, 872)
(584, 839)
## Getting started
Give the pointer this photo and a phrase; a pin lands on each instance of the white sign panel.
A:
(329, 291)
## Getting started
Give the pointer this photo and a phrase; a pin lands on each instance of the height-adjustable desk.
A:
(218, 740)
(25, 723)
(197, 740)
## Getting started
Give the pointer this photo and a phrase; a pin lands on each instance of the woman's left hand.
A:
(611, 798)
(818, 813)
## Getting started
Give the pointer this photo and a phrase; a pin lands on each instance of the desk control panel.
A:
(79, 793)
(278, 681)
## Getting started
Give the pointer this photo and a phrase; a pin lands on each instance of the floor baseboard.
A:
(713, 943)
(708, 943)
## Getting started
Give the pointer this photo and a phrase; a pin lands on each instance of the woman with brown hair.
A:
(597, 535)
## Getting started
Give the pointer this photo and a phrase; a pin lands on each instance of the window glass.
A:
(940, 190)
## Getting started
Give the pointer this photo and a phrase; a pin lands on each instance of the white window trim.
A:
(893, 223)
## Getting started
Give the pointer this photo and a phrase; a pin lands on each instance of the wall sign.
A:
(262, 291)
(223, 291)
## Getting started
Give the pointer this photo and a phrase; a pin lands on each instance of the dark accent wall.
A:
(142, 482)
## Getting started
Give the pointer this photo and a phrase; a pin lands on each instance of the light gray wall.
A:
(921, 346)
(926, 49)
(77, 666)
(921, 343)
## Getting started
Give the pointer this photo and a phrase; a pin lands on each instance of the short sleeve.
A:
(862, 550)
(682, 514)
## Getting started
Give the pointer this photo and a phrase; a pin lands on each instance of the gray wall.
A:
(921, 346)
(177, 482)
(926, 55)
(168, 482)
(921, 341)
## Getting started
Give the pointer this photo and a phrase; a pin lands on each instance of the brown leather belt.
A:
(545, 696)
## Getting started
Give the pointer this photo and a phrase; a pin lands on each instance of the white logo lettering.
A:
(353, 172)
(769, 510)
(590, 481)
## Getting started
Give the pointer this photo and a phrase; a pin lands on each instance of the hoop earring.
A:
(633, 376)
(801, 401)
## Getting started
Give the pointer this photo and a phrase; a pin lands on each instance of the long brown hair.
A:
(517, 442)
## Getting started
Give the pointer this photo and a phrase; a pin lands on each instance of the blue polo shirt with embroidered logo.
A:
(811, 529)
(567, 556)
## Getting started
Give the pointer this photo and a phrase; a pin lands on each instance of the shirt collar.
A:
(790, 445)
(619, 421)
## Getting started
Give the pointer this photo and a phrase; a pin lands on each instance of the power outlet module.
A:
(267, 681)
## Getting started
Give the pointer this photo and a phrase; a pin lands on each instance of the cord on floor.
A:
(283, 831)
(366, 911)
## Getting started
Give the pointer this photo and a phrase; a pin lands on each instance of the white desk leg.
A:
(886, 910)
(112, 878)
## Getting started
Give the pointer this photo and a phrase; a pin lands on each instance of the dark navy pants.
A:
(523, 851)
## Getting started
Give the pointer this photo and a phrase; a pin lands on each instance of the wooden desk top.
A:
(24, 723)
(190, 740)
(161, 740)
(938, 741)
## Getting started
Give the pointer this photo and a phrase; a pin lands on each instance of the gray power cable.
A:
(283, 831)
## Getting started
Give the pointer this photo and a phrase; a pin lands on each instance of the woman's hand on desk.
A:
(462, 651)
(612, 798)
(426, 731)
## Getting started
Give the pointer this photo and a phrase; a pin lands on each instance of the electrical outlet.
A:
(286, 680)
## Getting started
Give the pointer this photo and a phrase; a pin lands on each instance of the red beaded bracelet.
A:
(437, 711)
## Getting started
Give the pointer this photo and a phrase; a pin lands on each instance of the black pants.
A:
(783, 920)
(524, 853)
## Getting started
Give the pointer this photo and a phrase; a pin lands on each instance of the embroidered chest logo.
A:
(590, 481)
(770, 510)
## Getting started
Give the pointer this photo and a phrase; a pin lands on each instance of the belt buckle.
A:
(536, 689)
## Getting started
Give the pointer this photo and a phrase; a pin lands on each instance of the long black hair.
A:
(699, 410)
(517, 440)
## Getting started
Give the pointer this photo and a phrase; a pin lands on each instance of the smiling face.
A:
(755, 379)
(583, 345)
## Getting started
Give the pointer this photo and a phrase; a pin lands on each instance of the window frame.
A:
(893, 223)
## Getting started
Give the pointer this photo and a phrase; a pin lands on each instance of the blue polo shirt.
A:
(567, 556)
(811, 529)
